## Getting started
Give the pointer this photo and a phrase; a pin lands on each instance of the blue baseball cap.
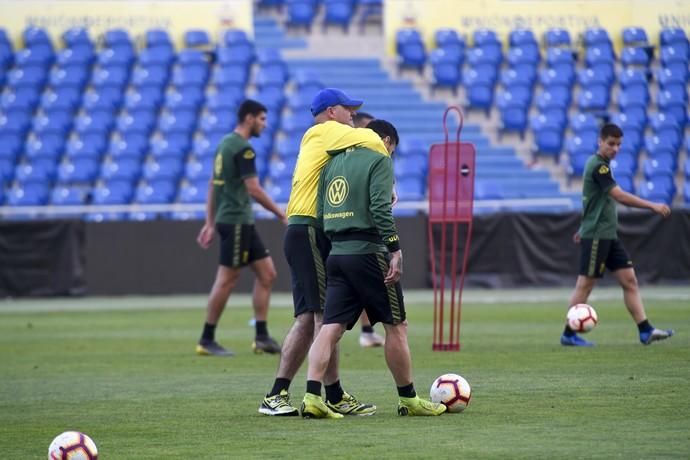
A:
(328, 97)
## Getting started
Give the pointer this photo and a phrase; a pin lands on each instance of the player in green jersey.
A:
(229, 213)
(598, 238)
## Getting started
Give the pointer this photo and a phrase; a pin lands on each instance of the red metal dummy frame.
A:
(459, 216)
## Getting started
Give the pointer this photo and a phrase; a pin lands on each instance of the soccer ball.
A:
(72, 445)
(582, 317)
(453, 391)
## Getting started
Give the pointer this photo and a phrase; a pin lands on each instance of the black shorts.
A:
(240, 245)
(597, 255)
(355, 283)
(306, 249)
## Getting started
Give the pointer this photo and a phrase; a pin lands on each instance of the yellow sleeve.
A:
(337, 136)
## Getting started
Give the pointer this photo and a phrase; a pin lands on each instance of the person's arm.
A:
(338, 136)
(380, 186)
(209, 228)
(628, 199)
(257, 192)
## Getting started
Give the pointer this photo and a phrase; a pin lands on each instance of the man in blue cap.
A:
(306, 250)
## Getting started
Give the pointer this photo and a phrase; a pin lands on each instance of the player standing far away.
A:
(363, 270)
(229, 212)
(598, 238)
(306, 249)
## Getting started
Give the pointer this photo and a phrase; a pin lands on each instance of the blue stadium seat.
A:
(196, 38)
(548, 135)
(114, 77)
(594, 36)
(66, 77)
(139, 122)
(624, 164)
(197, 169)
(44, 146)
(605, 71)
(339, 13)
(33, 77)
(194, 75)
(145, 98)
(479, 87)
(182, 121)
(10, 145)
(599, 55)
(123, 169)
(632, 76)
(526, 55)
(217, 120)
(521, 37)
(94, 122)
(660, 120)
(584, 144)
(672, 35)
(157, 37)
(584, 121)
(297, 123)
(561, 75)
(672, 75)
(673, 101)
(478, 56)
(90, 145)
(633, 96)
(240, 54)
(76, 36)
(446, 37)
(80, 170)
(281, 169)
(54, 122)
(556, 56)
(68, 195)
(446, 70)
(658, 145)
(411, 51)
(150, 76)
(130, 145)
(234, 37)
(168, 169)
(488, 190)
(193, 192)
(188, 98)
(519, 75)
(626, 183)
(633, 117)
(659, 188)
(588, 77)
(412, 146)
(205, 145)
(271, 77)
(674, 54)
(105, 99)
(231, 75)
(513, 119)
(274, 100)
(119, 57)
(635, 56)
(78, 56)
(227, 98)
(117, 37)
(556, 97)
(410, 188)
(64, 99)
(483, 37)
(156, 56)
(172, 145)
(411, 165)
(37, 56)
(514, 95)
(576, 164)
(30, 194)
(660, 165)
(157, 191)
(288, 147)
(595, 97)
(300, 13)
(557, 37)
(40, 170)
(113, 192)
(279, 191)
(635, 36)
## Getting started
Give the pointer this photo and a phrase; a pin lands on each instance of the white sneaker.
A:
(371, 339)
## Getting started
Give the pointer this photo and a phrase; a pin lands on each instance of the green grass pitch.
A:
(124, 371)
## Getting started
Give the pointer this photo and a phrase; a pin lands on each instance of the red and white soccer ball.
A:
(453, 391)
(72, 445)
(582, 317)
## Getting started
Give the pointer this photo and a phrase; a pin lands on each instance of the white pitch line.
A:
(284, 300)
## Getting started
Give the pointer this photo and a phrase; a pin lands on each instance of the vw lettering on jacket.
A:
(337, 191)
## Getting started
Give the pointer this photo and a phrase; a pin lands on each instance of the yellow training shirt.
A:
(313, 156)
